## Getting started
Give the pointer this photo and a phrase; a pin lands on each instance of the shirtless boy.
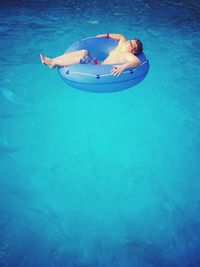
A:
(124, 54)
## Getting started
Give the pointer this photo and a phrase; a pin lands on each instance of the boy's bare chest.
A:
(119, 56)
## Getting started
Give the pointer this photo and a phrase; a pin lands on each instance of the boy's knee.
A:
(85, 52)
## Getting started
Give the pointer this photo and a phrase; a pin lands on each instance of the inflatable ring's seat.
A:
(98, 78)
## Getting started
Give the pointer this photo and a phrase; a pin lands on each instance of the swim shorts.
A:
(89, 59)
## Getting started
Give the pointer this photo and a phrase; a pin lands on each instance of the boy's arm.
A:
(133, 62)
(119, 37)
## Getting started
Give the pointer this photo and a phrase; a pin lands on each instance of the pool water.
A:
(99, 179)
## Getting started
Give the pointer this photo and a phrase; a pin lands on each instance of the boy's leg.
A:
(64, 60)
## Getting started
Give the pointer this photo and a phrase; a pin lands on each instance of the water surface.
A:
(99, 179)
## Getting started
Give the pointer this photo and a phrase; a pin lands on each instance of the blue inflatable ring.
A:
(98, 78)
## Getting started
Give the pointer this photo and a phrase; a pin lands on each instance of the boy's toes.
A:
(42, 58)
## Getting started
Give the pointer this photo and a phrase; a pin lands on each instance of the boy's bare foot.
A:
(46, 61)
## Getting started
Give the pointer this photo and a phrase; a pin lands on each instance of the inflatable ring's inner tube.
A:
(98, 47)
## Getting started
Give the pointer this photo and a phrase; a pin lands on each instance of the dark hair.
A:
(139, 48)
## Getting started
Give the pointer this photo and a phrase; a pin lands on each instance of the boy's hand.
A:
(117, 70)
(101, 35)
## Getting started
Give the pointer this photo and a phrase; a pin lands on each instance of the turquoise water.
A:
(99, 179)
